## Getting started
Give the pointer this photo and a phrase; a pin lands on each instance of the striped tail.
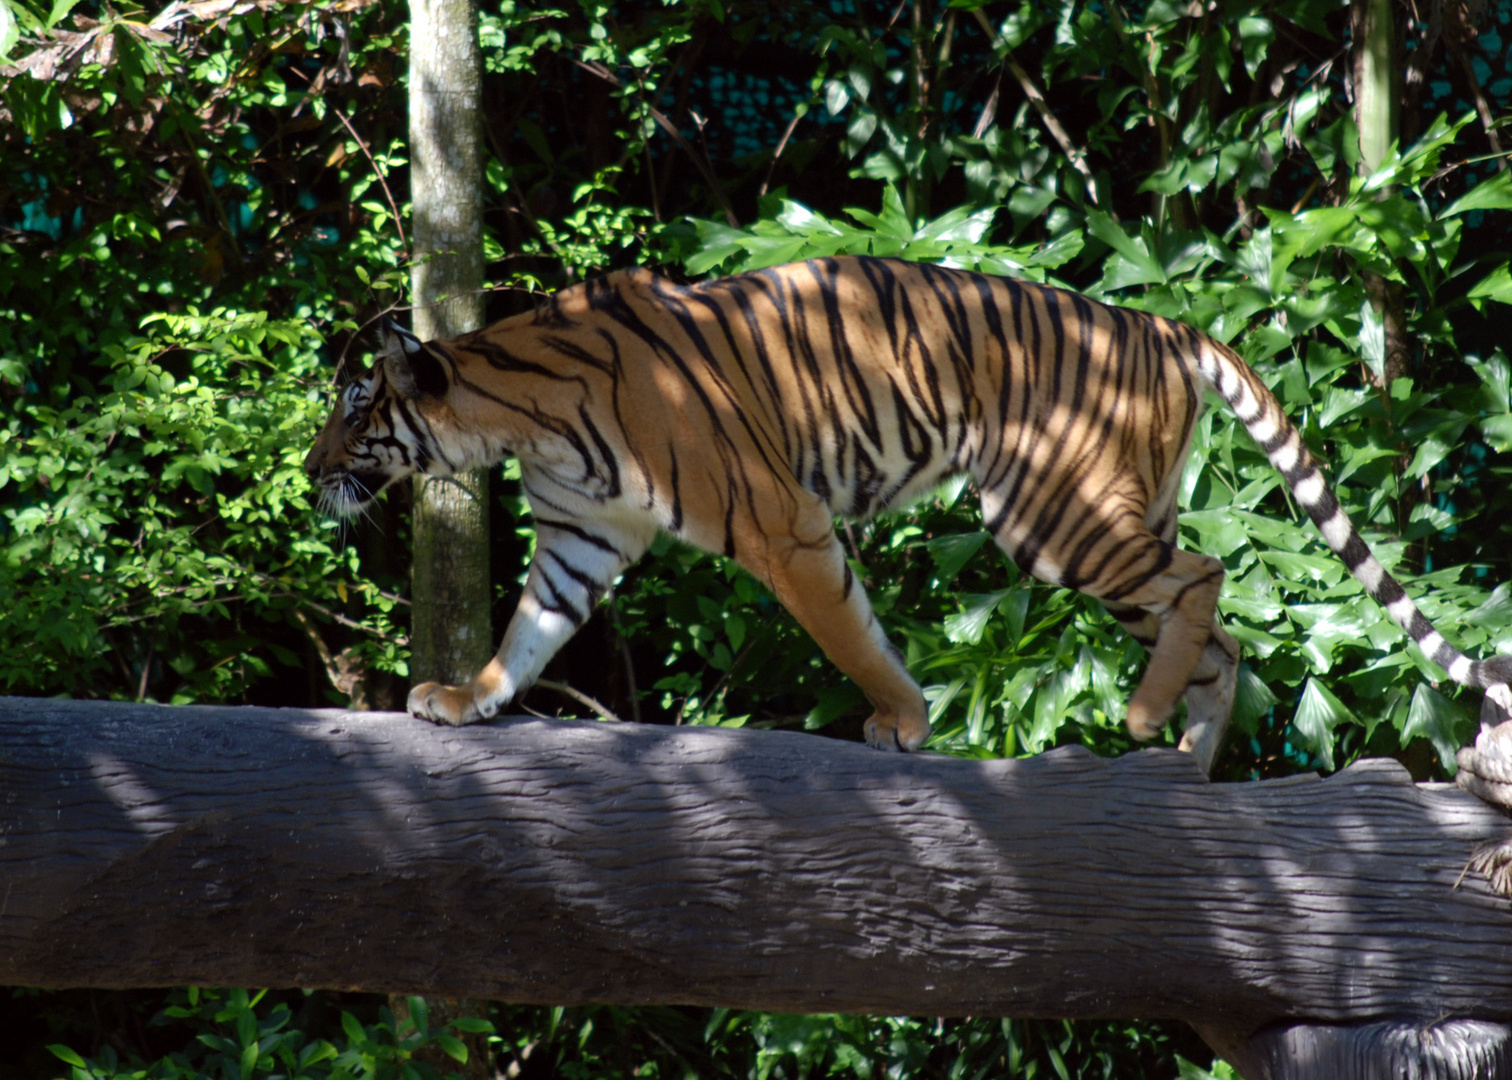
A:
(1261, 415)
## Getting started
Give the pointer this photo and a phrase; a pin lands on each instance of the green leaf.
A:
(1498, 432)
(1373, 339)
(1440, 721)
(795, 217)
(59, 12)
(968, 626)
(1319, 712)
(952, 551)
(63, 1053)
(1058, 252)
(454, 1047)
(1252, 700)
(1492, 194)
(1255, 34)
(1138, 265)
(1496, 285)
(10, 31)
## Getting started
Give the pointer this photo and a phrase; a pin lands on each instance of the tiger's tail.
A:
(1260, 413)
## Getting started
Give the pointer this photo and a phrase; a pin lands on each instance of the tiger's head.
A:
(383, 426)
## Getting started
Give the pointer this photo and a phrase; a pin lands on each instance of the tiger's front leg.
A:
(808, 573)
(574, 564)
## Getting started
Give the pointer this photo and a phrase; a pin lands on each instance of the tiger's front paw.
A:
(1143, 722)
(441, 704)
(896, 732)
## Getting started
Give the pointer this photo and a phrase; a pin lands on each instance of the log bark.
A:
(566, 862)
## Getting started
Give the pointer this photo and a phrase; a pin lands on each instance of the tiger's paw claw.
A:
(893, 733)
(441, 704)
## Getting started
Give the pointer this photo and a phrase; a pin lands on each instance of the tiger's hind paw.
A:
(1202, 740)
(895, 733)
(441, 704)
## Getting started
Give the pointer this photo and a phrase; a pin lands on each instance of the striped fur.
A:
(742, 415)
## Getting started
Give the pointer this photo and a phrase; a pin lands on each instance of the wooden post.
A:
(451, 636)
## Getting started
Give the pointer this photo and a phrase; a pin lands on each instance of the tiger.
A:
(742, 415)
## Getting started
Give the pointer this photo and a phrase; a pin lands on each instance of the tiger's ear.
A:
(410, 368)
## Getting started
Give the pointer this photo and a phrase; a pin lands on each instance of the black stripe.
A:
(605, 452)
(590, 586)
(677, 511)
(579, 532)
(560, 604)
(1390, 591)
(1300, 471)
(1325, 508)
(1276, 441)
(1163, 555)
(1355, 552)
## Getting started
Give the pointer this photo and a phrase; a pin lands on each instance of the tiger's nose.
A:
(312, 465)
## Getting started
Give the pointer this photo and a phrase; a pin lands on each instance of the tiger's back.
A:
(742, 414)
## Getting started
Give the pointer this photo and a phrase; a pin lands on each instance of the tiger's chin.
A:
(349, 496)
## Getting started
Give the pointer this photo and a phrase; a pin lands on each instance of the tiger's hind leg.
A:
(1180, 589)
(1119, 561)
(1210, 690)
(1210, 698)
(807, 571)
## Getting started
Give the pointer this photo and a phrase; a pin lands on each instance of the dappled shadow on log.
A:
(564, 862)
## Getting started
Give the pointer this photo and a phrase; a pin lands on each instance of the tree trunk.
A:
(1376, 83)
(451, 636)
(569, 862)
(1378, 88)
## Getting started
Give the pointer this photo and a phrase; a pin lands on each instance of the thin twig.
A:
(146, 671)
(578, 696)
(598, 70)
(533, 712)
(1306, 196)
(781, 146)
(382, 180)
(850, 536)
(327, 661)
(612, 604)
(1482, 109)
(989, 110)
(1052, 124)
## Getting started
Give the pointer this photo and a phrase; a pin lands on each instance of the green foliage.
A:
(231, 1039)
(161, 501)
(237, 1035)
(161, 326)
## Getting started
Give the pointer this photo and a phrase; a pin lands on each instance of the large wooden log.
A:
(569, 862)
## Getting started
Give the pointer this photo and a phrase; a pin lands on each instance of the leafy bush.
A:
(234, 1035)
(233, 1040)
(156, 530)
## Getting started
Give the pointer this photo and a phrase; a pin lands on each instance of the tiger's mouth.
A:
(345, 494)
